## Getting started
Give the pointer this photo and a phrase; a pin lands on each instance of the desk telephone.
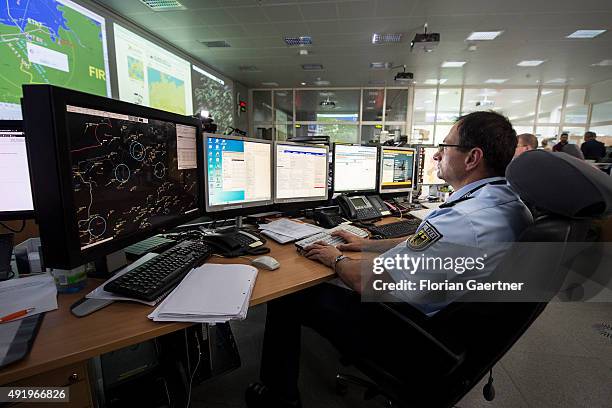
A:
(236, 243)
(363, 207)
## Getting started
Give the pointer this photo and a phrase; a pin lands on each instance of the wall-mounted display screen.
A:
(149, 75)
(50, 42)
(214, 95)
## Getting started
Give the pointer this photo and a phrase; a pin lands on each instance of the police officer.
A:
(482, 210)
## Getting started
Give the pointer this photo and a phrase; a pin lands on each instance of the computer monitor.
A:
(15, 190)
(238, 173)
(397, 170)
(430, 167)
(300, 172)
(355, 168)
(106, 173)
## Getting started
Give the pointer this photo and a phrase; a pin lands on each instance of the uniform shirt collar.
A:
(469, 187)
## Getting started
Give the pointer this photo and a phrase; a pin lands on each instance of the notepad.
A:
(37, 292)
(211, 293)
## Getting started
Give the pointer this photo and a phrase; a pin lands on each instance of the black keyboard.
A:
(160, 274)
(151, 244)
(395, 229)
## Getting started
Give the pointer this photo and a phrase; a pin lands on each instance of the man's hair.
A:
(590, 135)
(491, 132)
(528, 139)
(564, 134)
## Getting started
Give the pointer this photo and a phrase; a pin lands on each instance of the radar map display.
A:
(129, 173)
(50, 42)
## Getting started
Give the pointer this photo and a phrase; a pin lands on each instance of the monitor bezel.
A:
(235, 208)
(415, 169)
(18, 214)
(334, 161)
(420, 164)
(320, 198)
(50, 161)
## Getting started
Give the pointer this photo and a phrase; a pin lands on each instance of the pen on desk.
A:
(15, 315)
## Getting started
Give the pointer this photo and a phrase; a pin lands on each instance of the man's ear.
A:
(474, 158)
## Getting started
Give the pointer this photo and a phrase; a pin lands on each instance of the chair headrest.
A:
(561, 184)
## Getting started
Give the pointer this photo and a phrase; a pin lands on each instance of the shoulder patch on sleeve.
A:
(424, 237)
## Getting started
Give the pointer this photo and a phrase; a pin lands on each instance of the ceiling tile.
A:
(356, 9)
(282, 13)
(247, 14)
(319, 11)
(186, 34)
(187, 18)
(293, 29)
(231, 31)
(395, 8)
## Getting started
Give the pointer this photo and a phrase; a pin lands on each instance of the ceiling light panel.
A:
(269, 83)
(298, 41)
(163, 5)
(585, 33)
(484, 35)
(435, 81)
(216, 44)
(389, 38)
(380, 65)
(312, 67)
(557, 81)
(496, 80)
(603, 63)
(453, 64)
(530, 63)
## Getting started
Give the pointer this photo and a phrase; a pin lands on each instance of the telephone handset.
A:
(237, 243)
(362, 208)
(328, 218)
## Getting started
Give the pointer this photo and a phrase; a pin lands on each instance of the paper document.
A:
(290, 228)
(280, 238)
(100, 293)
(38, 292)
(211, 293)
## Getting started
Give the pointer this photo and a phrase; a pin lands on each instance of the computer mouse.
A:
(265, 262)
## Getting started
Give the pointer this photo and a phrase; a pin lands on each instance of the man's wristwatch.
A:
(338, 259)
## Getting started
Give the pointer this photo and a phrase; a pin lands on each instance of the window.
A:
(262, 106)
(448, 105)
(550, 106)
(602, 112)
(283, 103)
(372, 105)
(575, 109)
(336, 132)
(397, 105)
(327, 106)
(370, 133)
(424, 105)
(422, 134)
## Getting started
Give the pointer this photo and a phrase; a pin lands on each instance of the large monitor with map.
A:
(213, 94)
(149, 75)
(430, 167)
(50, 42)
(122, 172)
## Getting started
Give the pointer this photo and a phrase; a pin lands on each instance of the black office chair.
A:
(466, 339)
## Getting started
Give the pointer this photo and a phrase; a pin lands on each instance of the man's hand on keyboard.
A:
(353, 242)
(319, 251)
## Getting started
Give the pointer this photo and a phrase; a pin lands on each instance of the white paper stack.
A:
(285, 230)
(36, 292)
(212, 293)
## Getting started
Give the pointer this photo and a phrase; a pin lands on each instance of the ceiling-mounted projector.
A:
(425, 41)
(404, 77)
(327, 103)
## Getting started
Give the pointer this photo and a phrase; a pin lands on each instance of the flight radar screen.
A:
(50, 42)
(129, 173)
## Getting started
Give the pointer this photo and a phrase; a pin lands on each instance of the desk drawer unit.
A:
(73, 376)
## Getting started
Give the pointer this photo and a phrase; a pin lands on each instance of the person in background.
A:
(592, 149)
(563, 140)
(525, 142)
(572, 150)
(545, 146)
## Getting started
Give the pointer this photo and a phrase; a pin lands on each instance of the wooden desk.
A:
(65, 339)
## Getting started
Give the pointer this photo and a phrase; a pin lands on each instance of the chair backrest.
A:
(568, 194)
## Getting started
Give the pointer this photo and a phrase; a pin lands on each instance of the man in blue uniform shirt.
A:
(482, 215)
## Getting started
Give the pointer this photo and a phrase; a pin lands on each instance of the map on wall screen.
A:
(50, 42)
